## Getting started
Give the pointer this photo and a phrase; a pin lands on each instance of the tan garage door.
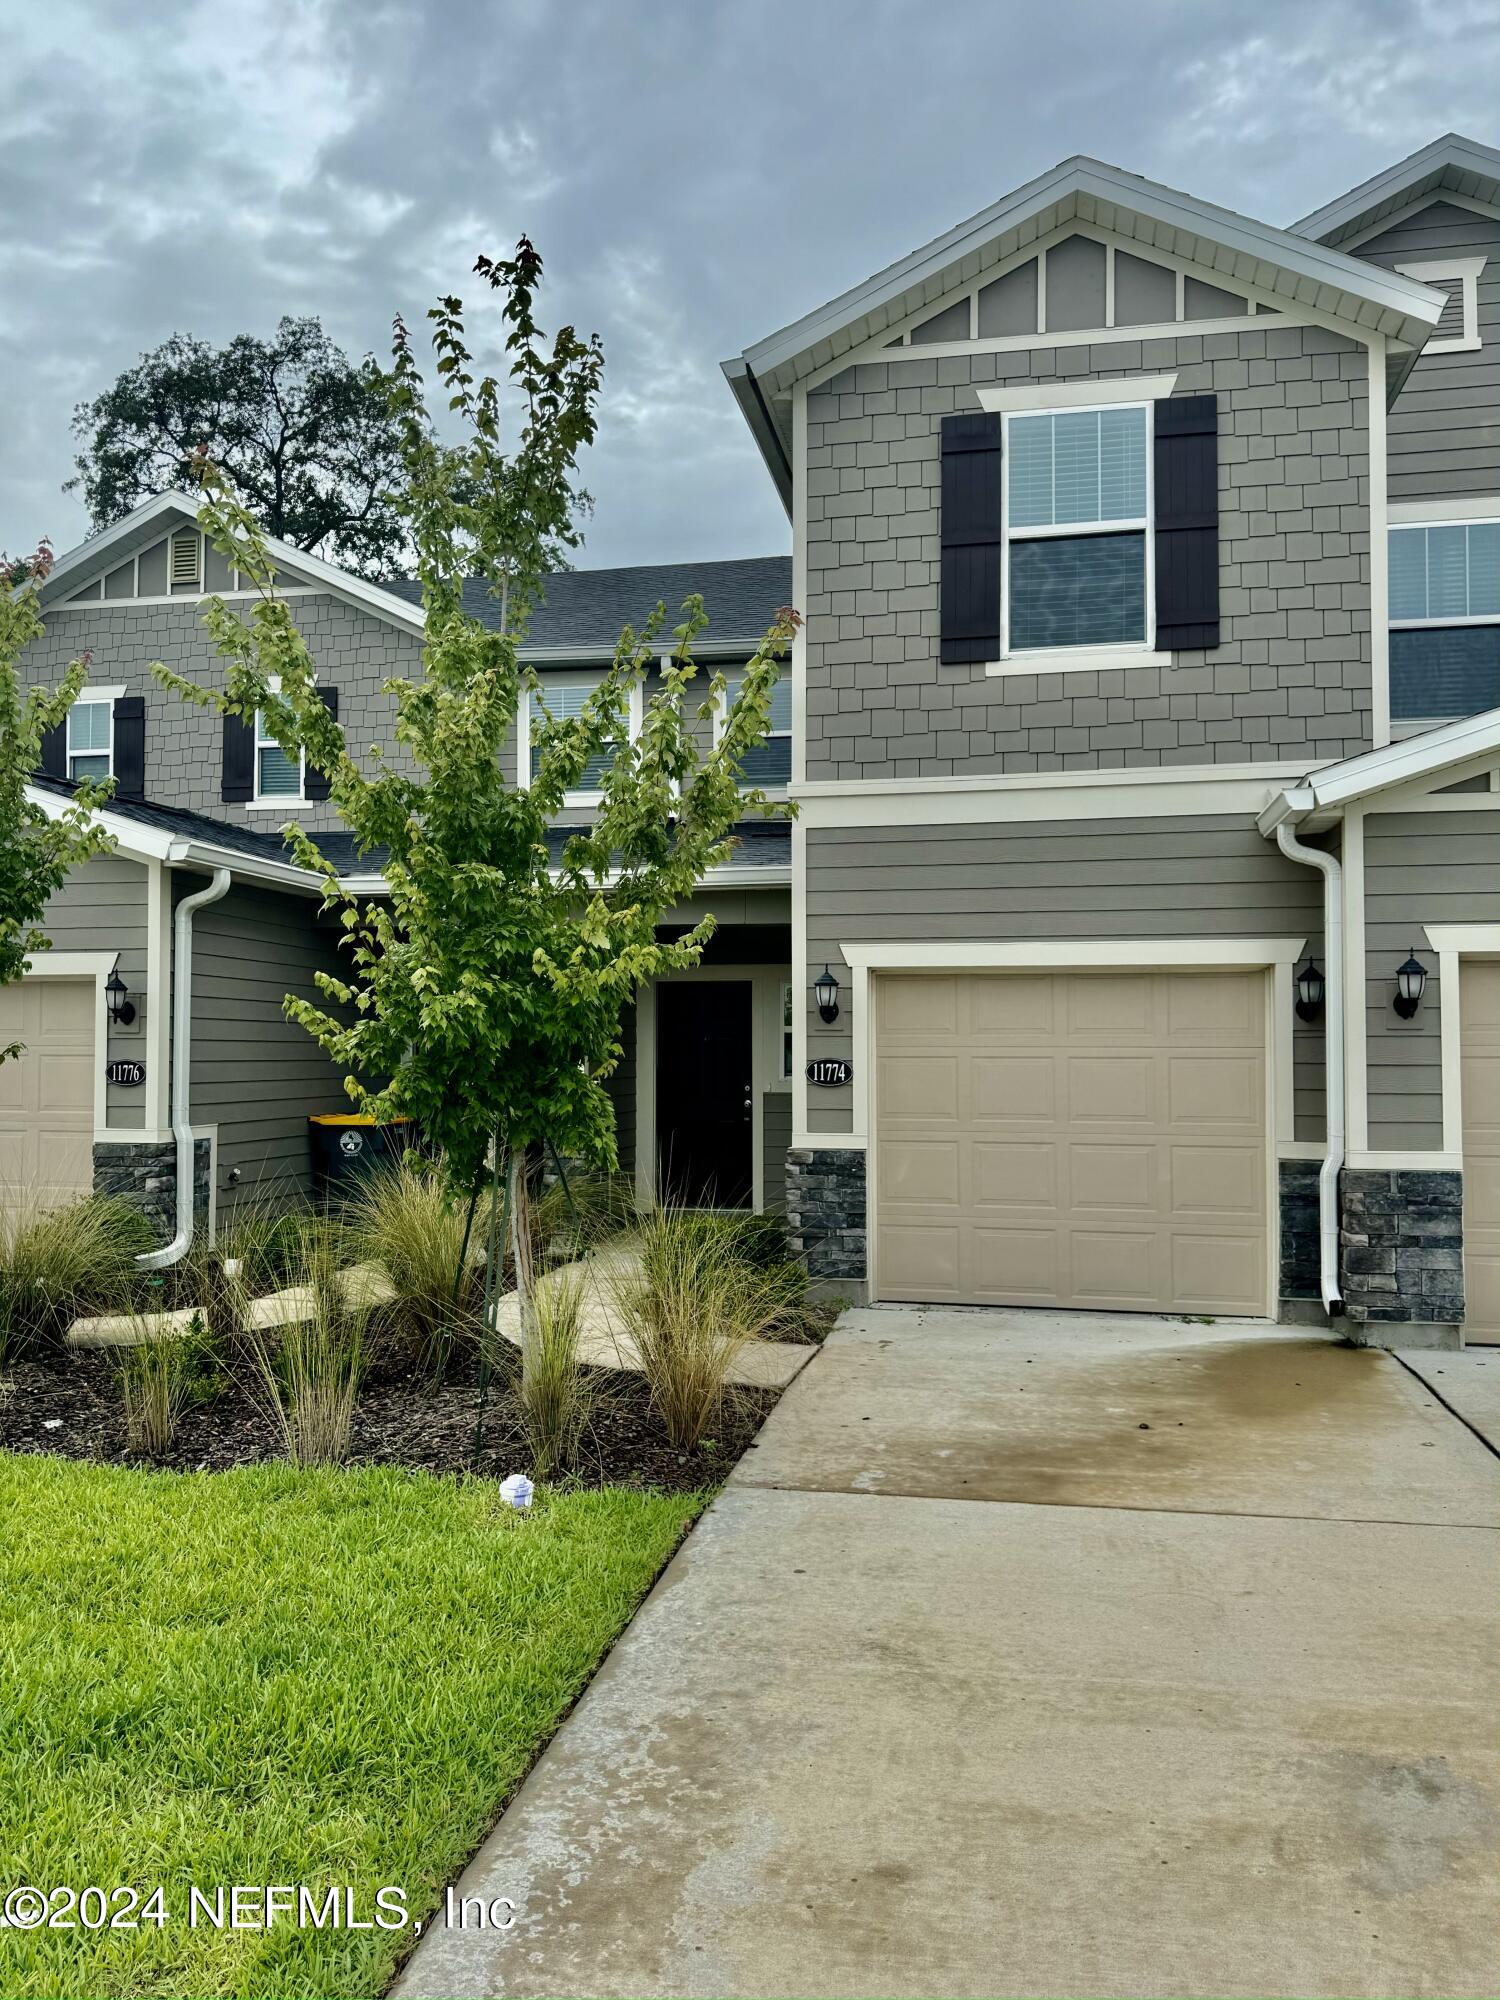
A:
(1072, 1139)
(1479, 1013)
(47, 1092)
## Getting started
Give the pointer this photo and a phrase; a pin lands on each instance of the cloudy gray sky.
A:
(694, 174)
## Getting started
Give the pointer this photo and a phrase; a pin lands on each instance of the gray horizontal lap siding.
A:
(1158, 878)
(621, 1086)
(1292, 676)
(776, 1140)
(1443, 434)
(103, 907)
(255, 1074)
(1420, 869)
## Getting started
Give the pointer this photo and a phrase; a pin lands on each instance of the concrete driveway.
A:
(1047, 1656)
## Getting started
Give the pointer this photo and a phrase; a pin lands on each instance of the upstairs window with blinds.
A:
(91, 740)
(277, 776)
(1076, 528)
(563, 701)
(769, 765)
(1444, 584)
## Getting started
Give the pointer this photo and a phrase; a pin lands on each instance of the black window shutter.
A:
(1186, 471)
(55, 751)
(970, 539)
(130, 746)
(316, 785)
(237, 785)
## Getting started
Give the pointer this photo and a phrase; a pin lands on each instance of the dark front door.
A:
(704, 1103)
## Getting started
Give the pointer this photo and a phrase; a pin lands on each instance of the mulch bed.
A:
(69, 1404)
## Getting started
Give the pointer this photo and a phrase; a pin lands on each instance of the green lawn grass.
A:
(280, 1677)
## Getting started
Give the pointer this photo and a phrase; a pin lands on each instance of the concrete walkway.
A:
(1043, 1656)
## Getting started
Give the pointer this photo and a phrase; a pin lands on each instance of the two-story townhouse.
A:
(1137, 943)
(1145, 734)
(203, 924)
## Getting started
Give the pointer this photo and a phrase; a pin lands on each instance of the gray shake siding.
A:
(353, 651)
(1420, 868)
(1443, 435)
(1161, 878)
(1292, 676)
(255, 1074)
(102, 907)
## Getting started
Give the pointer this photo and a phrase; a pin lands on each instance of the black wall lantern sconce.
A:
(121, 1009)
(1411, 978)
(826, 993)
(1309, 991)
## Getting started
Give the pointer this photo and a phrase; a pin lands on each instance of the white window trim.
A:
(772, 735)
(92, 697)
(1466, 270)
(261, 802)
(1080, 659)
(634, 718)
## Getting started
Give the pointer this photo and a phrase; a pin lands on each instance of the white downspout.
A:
(1333, 1057)
(182, 1048)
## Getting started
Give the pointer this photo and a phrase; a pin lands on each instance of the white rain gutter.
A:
(1333, 1058)
(182, 1039)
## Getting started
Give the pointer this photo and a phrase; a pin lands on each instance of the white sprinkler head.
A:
(516, 1491)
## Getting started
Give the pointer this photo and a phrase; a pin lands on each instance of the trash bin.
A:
(347, 1147)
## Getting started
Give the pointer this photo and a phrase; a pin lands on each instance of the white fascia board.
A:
(1327, 792)
(132, 840)
(1451, 153)
(88, 555)
(1414, 305)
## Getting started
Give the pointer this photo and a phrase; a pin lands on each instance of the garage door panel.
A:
(1012, 1088)
(1224, 1089)
(1020, 1009)
(1217, 1180)
(1109, 1007)
(1217, 1274)
(918, 1088)
(1117, 1177)
(1114, 1267)
(1112, 1090)
(1479, 1016)
(1086, 1157)
(922, 1260)
(922, 1007)
(922, 1170)
(1018, 1175)
(1019, 1266)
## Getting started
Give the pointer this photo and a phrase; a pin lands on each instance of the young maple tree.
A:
(37, 847)
(484, 992)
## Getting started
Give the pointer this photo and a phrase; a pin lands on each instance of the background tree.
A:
(483, 997)
(36, 848)
(307, 436)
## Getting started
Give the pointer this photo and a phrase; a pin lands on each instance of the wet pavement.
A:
(1035, 1655)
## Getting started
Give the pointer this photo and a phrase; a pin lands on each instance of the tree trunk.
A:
(520, 1233)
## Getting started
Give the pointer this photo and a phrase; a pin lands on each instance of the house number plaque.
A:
(128, 1075)
(830, 1071)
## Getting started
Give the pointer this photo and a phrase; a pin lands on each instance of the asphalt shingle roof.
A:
(587, 608)
(762, 843)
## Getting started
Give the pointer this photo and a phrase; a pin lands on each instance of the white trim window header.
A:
(1457, 332)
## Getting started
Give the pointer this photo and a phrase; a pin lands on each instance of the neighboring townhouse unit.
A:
(1137, 540)
(1137, 942)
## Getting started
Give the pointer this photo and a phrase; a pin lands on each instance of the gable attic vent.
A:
(185, 547)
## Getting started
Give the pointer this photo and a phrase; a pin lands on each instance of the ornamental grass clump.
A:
(58, 1263)
(158, 1378)
(554, 1393)
(309, 1370)
(690, 1310)
(407, 1220)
